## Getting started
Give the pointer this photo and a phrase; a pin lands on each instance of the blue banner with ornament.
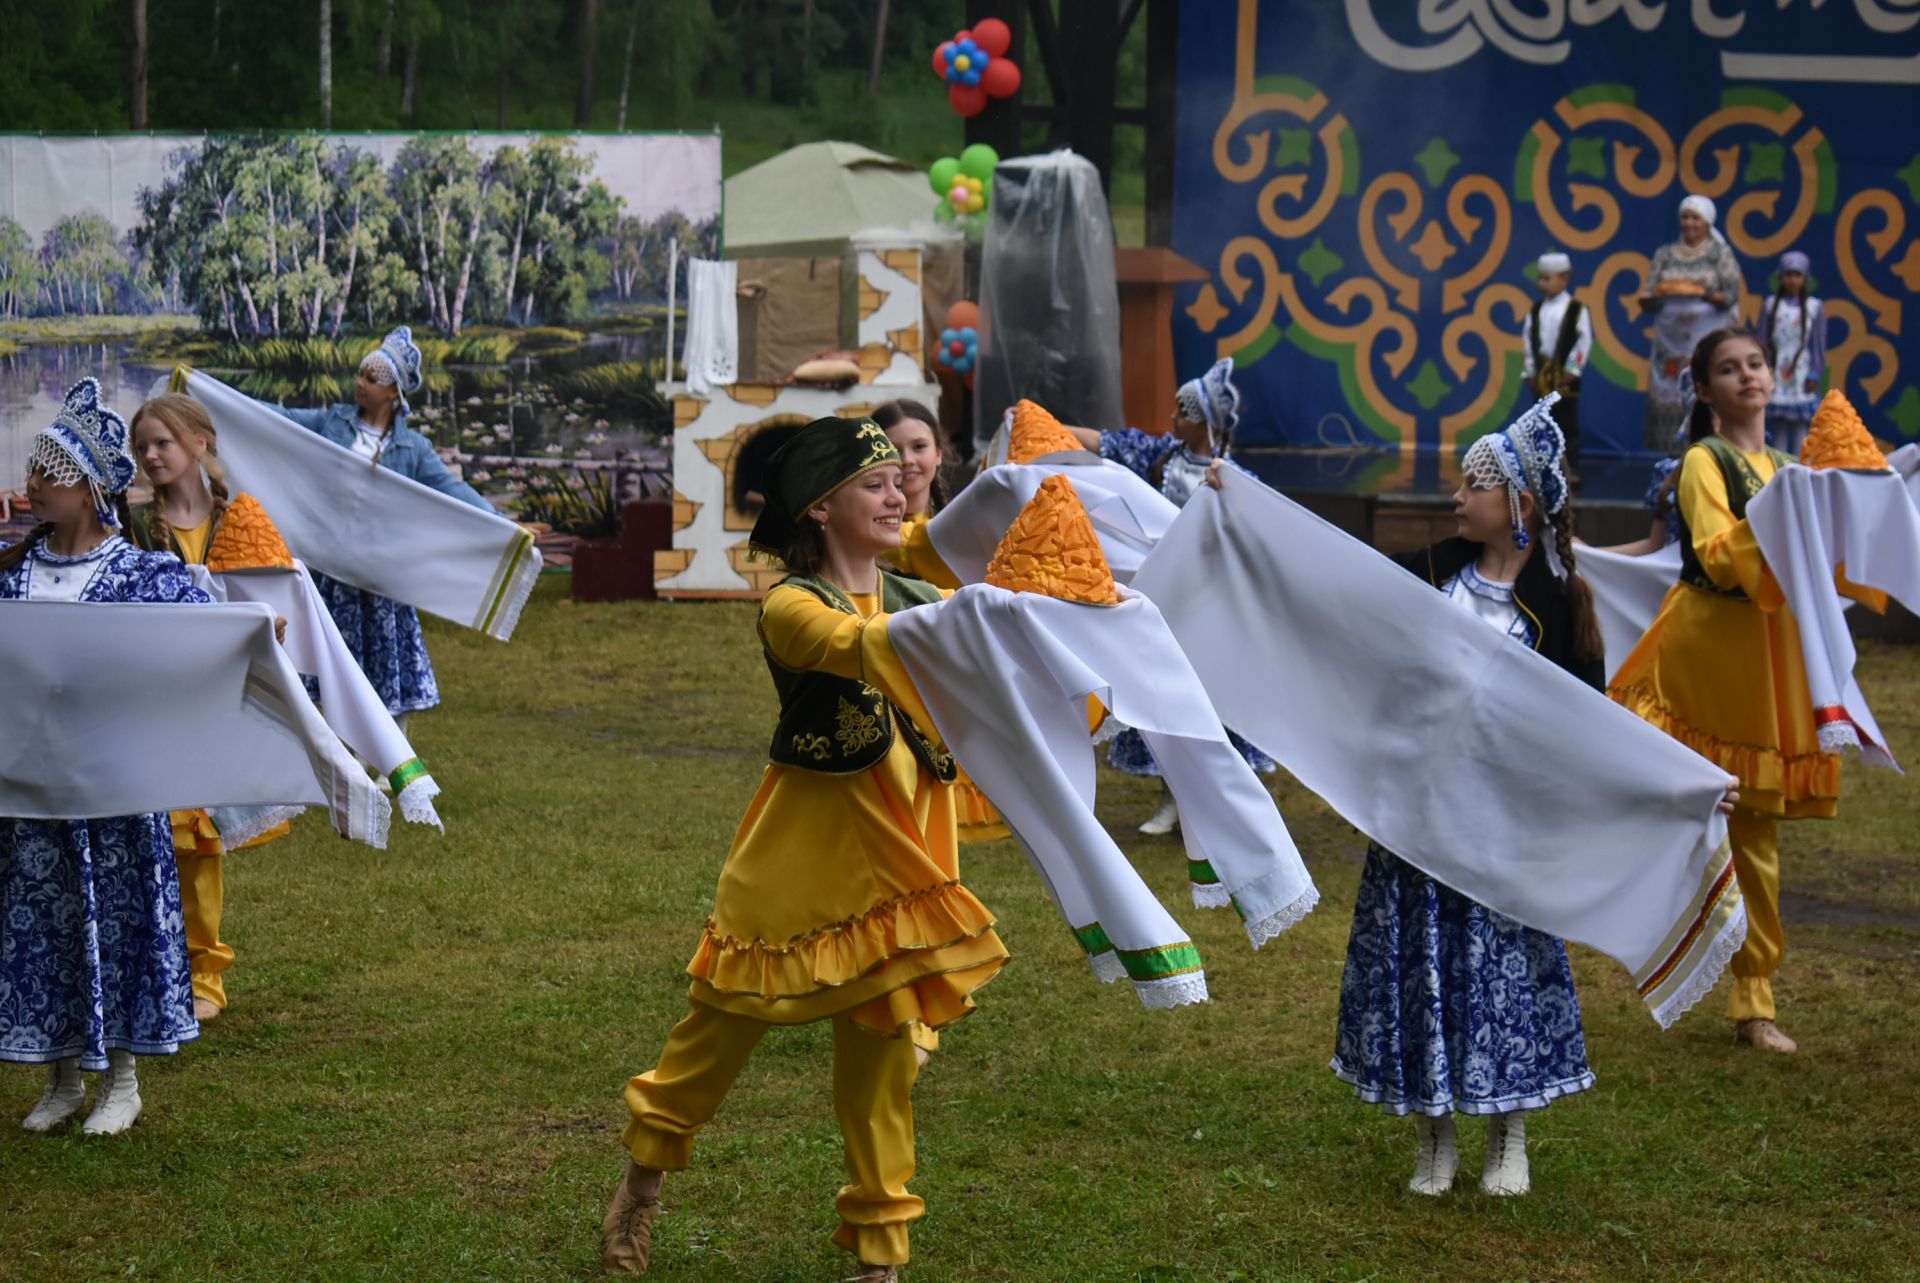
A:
(1369, 182)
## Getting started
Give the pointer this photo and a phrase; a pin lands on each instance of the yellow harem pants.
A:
(873, 1080)
(1756, 865)
(202, 893)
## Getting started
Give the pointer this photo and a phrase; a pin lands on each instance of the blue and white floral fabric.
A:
(1446, 1005)
(386, 641)
(93, 952)
(1661, 499)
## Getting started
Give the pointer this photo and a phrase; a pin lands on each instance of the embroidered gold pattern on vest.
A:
(857, 729)
(814, 746)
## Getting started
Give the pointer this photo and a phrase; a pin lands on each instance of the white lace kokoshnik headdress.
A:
(86, 442)
(1213, 400)
(1527, 458)
(396, 362)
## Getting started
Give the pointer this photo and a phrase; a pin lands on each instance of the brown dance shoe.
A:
(1765, 1035)
(626, 1236)
(876, 1274)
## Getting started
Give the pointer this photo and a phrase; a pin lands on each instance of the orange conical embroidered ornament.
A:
(247, 540)
(1036, 432)
(1051, 549)
(1839, 439)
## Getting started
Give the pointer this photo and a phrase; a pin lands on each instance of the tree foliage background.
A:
(447, 64)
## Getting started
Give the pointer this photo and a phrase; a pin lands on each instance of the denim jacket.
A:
(406, 452)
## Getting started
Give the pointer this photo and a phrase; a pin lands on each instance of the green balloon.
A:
(944, 171)
(943, 212)
(979, 161)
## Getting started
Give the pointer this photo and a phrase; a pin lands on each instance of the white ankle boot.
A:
(119, 1100)
(1506, 1169)
(1434, 1170)
(66, 1093)
(1166, 819)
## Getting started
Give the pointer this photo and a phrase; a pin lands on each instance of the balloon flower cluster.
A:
(976, 67)
(959, 345)
(964, 183)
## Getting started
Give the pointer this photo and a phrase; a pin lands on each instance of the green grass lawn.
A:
(420, 1077)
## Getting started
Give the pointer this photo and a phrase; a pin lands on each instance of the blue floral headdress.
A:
(86, 442)
(1213, 400)
(401, 357)
(1527, 458)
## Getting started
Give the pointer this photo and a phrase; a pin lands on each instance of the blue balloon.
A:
(948, 336)
(963, 365)
(972, 76)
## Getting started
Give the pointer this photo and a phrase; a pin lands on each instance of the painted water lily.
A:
(553, 449)
(597, 438)
(481, 475)
(474, 400)
(601, 423)
(573, 418)
(583, 454)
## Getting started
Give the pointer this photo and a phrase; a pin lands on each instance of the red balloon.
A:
(968, 100)
(940, 59)
(1001, 78)
(992, 35)
(964, 314)
(956, 348)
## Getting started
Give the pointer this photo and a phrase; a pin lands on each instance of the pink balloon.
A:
(992, 35)
(1001, 78)
(968, 100)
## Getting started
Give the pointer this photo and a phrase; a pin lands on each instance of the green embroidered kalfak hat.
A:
(816, 461)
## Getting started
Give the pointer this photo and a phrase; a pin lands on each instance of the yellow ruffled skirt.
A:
(842, 894)
(1729, 681)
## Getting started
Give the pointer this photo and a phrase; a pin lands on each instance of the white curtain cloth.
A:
(1129, 516)
(237, 726)
(712, 351)
(1472, 758)
(348, 702)
(1808, 522)
(1006, 677)
(369, 526)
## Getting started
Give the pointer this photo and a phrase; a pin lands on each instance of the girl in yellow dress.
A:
(840, 898)
(1721, 669)
(915, 432)
(193, 517)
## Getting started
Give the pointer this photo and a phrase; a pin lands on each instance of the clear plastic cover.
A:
(1049, 305)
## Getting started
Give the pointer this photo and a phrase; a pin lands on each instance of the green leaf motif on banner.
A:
(1428, 388)
(1319, 262)
(1906, 412)
(1767, 161)
(1296, 148)
(1911, 177)
(1587, 156)
(1438, 160)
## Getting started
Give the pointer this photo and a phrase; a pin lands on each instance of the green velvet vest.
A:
(839, 726)
(1743, 483)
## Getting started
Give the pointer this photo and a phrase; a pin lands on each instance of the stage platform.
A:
(1397, 500)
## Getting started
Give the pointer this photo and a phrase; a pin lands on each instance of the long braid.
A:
(1587, 643)
(12, 555)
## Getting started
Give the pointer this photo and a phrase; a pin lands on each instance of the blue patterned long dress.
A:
(1446, 1005)
(1181, 470)
(93, 950)
(384, 635)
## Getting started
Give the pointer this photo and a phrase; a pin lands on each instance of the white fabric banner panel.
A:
(1007, 676)
(1129, 516)
(1809, 522)
(348, 702)
(1627, 592)
(1472, 758)
(238, 725)
(369, 526)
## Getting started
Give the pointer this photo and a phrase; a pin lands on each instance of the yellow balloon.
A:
(962, 63)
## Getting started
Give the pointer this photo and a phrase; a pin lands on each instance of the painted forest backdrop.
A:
(533, 269)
